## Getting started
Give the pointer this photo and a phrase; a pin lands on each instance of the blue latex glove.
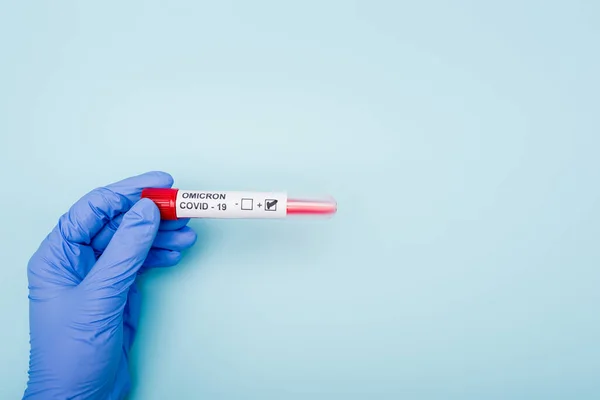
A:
(84, 305)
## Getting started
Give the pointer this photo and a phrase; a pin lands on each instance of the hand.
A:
(83, 302)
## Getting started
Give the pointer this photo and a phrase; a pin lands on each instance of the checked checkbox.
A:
(270, 205)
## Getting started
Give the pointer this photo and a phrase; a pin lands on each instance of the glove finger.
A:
(103, 238)
(166, 237)
(90, 213)
(131, 316)
(116, 269)
(173, 225)
(160, 258)
(132, 187)
(178, 240)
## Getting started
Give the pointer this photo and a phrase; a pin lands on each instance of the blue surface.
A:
(461, 142)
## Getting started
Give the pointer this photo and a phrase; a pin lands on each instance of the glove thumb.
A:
(116, 269)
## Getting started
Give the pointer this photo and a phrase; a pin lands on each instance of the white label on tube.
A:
(218, 204)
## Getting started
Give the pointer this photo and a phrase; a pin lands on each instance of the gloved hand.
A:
(84, 305)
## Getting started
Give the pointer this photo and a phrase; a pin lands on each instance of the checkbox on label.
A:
(247, 204)
(270, 205)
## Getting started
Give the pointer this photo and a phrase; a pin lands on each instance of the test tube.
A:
(179, 203)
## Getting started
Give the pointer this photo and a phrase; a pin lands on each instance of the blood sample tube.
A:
(178, 203)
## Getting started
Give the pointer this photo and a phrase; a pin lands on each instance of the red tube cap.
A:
(164, 199)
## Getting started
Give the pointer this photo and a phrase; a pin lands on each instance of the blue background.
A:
(460, 140)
